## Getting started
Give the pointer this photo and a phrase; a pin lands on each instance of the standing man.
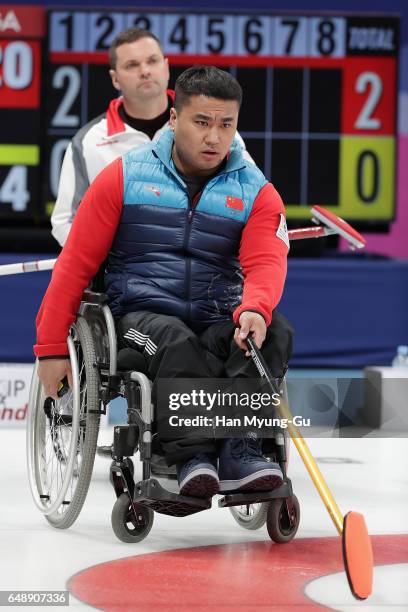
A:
(197, 246)
(139, 71)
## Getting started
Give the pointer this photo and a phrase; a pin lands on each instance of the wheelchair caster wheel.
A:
(250, 516)
(281, 527)
(131, 522)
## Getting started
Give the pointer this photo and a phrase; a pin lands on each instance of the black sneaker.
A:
(242, 466)
(198, 477)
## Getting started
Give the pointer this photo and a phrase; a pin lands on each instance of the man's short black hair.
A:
(206, 81)
(129, 36)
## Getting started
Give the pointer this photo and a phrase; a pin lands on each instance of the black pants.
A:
(173, 350)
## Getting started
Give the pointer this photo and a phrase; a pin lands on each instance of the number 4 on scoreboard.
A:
(13, 189)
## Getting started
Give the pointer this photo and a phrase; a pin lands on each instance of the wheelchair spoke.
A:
(63, 439)
(248, 510)
(250, 516)
(63, 435)
(56, 439)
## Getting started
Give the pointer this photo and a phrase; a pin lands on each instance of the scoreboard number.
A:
(145, 21)
(69, 77)
(103, 27)
(56, 157)
(328, 37)
(216, 35)
(290, 36)
(16, 61)
(19, 166)
(253, 36)
(180, 33)
(372, 82)
(368, 176)
(13, 189)
(69, 31)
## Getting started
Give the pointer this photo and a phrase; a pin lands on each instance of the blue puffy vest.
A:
(169, 258)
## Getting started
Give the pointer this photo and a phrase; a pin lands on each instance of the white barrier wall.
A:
(14, 389)
(15, 379)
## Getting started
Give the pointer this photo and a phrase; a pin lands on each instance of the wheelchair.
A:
(62, 440)
(62, 435)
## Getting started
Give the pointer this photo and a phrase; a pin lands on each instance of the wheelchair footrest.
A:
(242, 499)
(150, 493)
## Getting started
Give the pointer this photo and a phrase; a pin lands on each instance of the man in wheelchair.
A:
(196, 247)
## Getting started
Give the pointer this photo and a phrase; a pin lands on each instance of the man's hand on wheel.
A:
(51, 372)
(250, 322)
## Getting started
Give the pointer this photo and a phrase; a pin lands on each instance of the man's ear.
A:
(173, 118)
(112, 74)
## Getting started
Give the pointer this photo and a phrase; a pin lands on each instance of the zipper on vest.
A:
(190, 213)
(192, 204)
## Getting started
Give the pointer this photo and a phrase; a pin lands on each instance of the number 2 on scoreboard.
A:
(371, 83)
(369, 100)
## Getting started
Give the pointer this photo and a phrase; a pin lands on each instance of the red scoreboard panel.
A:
(320, 91)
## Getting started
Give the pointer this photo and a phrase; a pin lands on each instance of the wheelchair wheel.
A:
(250, 516)
(131, 522)
(62, 435)
(281, 527)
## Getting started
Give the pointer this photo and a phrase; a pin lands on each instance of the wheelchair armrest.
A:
(94, 297)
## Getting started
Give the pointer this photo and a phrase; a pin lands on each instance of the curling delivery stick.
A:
(27, 266)
(326, 224)
(357, 551)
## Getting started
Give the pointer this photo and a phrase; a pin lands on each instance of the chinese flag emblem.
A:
(235, 203)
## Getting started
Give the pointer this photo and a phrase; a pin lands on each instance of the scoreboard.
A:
(318, 116)
(20, 113)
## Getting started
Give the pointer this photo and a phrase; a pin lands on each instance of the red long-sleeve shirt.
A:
(262, 255)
